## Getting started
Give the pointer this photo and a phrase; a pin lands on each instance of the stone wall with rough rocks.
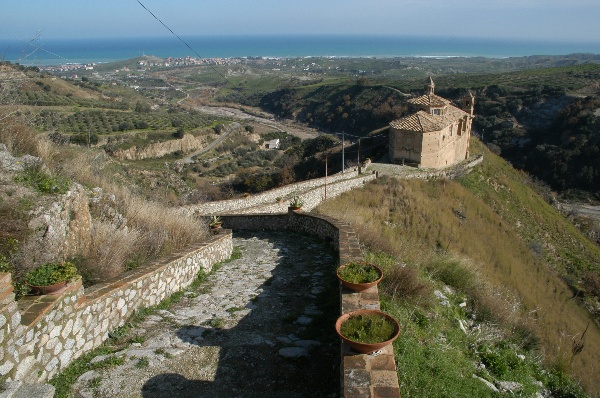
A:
(41, 335)
(362, 375)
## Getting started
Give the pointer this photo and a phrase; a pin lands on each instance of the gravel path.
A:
(261, 326)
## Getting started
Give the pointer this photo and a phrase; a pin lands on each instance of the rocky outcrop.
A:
(187, 144)
(13, 164)
(61, 228)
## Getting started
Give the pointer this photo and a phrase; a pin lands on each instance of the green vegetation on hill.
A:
(567, 154)
(515, 252)
(533, 117)
(352, 107)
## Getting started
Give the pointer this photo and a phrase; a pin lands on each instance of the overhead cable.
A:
(180, 39)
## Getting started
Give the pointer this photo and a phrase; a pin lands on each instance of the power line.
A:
(180, 39)
(363, 137)
(30, 42)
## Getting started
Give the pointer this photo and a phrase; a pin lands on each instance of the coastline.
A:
(104, 50)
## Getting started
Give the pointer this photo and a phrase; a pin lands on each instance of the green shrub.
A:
(51, 273)
(561, 386)
(44, 182)
(453, 272)
(404, 282)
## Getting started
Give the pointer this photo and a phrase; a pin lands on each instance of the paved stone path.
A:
(261, 326)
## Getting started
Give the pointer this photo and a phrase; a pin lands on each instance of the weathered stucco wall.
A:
(41, 335)
(435, 149)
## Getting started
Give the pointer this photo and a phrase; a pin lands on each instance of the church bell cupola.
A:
(430, 87)
(468, 103)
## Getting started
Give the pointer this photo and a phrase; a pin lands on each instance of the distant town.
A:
(145, 64)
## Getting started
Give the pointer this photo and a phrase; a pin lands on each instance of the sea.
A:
(43, 52)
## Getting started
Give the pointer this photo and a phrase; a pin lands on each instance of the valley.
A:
(193, 134)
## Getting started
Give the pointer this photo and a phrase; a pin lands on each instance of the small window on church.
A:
(436, 111)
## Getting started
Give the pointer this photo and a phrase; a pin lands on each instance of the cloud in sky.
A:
(532, 19)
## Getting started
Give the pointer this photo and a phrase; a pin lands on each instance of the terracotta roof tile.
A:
(423, 122)
(429, 100)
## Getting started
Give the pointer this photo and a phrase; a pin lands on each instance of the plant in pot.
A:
(50, 277)
(296, 203)
(359, 275)
(215, 222)
(367, 331)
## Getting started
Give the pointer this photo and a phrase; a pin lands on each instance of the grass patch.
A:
(236, 254)
(454, 272)
(404, 282)
(138, 339)
(95, 382)
(142, 363)
(489, 263)
(216, 323)
(63, 381)
(44, 182)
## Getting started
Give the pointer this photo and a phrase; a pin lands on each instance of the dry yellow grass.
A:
(151, 229)
(418, 220)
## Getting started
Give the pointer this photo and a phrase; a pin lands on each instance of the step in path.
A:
(260, 326)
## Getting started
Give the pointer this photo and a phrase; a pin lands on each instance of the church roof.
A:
(429, 100)
(423, 122)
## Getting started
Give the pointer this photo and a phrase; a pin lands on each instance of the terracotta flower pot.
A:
(49, 289)
(359, 287)
(367, 348)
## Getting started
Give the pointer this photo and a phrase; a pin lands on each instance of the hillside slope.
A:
(515, 242)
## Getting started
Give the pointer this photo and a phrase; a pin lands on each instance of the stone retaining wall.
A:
(41, 335)
(311, 198)
(268, 198)
(362, 376)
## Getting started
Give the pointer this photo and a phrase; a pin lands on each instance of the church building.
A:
(436, 136)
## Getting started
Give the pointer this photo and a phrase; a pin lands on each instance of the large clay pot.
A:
(367, 348)
(49, 289)
(359, 287)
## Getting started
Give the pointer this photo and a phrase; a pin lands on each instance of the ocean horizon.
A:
(42, 52)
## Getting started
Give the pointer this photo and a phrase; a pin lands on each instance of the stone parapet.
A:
(311, 198)
(311, 191)
(41, 335)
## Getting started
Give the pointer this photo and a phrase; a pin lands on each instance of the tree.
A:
(219, 128)
(179, 133)
(141, 107)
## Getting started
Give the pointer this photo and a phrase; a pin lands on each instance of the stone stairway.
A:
(18, 389)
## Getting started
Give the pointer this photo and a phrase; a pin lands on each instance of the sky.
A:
(553, 20)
